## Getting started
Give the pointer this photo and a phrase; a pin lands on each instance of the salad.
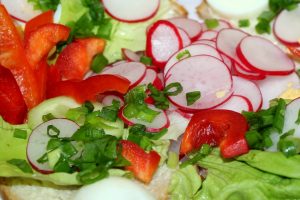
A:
(146, 103)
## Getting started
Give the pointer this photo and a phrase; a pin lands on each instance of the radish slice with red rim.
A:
(239, 71)
(39, 138)
(191, 27)
(287, 28)
(151, 77)
(131, 10)
(274, 86)
(205, 41)
(227, 61)
(160, 122)
(203, 73)
(119, 62)
(192, 50)
(133, 71)
(263, 56)
(222, 24)
(236, 103)
(108, 99)
(163, 40)
(20, 10)
(186, 41)
(248, 89)
(130, 55)
(208, 35)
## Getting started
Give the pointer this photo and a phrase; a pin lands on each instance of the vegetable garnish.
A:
(211, 23)
(48, 117)
(196, 156)
(192, 97)
(298, 118)
(45, 5)
(244, 23)
(21, 134)
(21, 164)
(99, 62)
(183, 54)
(146, 60)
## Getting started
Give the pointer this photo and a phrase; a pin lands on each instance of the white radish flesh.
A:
(239, 71)
(262, 55)
(287, 26)
(291, 116)
(131, 10)
(208, 35)
(39, 138)
(151, 77)
(205, 41)
(163, 40)
(193, 50)
(248, 89)
(191, 27)
(186, 41)
(203, 73)
(222, 24)
(160, 122)
(133, 71)
(130, 55)
(273, 86)
(21, 10)
(236, 103)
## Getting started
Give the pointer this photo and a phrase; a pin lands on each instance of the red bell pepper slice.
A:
(143, 164)
(84, 90)
(41, 40)
(34, 23)
(295, 51)
(223, 128)
(75, 60)
(12, 105)
(12, 56)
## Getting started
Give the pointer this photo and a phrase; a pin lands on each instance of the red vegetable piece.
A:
(74, 61)
(143, 165)
(12, 105)
(84, 90)
(222, 128)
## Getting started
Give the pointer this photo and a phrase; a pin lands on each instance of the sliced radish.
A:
(151, 77)
(291, 116)
(262, 55)
(108, 99)
(186, 41)
(203, 73)
(227, 61)
(119, 62)
(178, 124)
(222, 24)
(130, 55)
(21, 10)
(273, 86)
(248, 89)
(208, 35)
(239, 71)
(287, 27)
(131, 10)
(163, 40)
(38, 141)
(133, 71)
(160, 122)
(236, 103)
(205, 41)
(193, 50)
(191, 27)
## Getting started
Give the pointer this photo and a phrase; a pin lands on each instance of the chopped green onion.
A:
(21, 134)
(53, 143)
(89, 106)
(266, 16)
(244, 23)
(48, 117)
(99, 62)
(173, 89)
(62, 165)
(279, 115)
(92, 175)
(192, 97)
(211, 23)
(21, 164)
(159, 97)
(43, 158)
(52, 131)
(110, 113)
(289, 133)
(263, 27)
(146, 60)
(68, 149)
(195, 157)
(183, 54)
(298, 118)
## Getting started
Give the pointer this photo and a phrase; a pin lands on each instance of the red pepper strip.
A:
(34, 23)
(12, 105)
(41, 40)
(143, 164)
(12, 56)
(222, 128)
(84, 90)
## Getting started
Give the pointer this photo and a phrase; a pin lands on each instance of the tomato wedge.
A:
(84, 90)
(223, 128)
(143, 164)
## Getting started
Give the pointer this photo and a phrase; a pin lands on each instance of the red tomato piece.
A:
(75, 60)
(223, 128)
(84, 90)
(143, 164)
(295, 51)
(34, 23)
(12, 105)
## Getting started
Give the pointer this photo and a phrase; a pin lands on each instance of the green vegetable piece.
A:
(244, 23)
(44, 5)
(62, 165)
(53, 131)
(99, 62)
(266, 16)
(110, 113)
(173, 89)
(263, 27)
(92, 175)
(211, 23)
(183, 54)
(173, 160)
(48, 117)
(21, 164)
(146, 60)
(298, 118)
(160, 99)
(43, 158)
(21, 134)
(53, 143)
(192, 97)
(87, 133)
(204, 151)
(279, 115)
